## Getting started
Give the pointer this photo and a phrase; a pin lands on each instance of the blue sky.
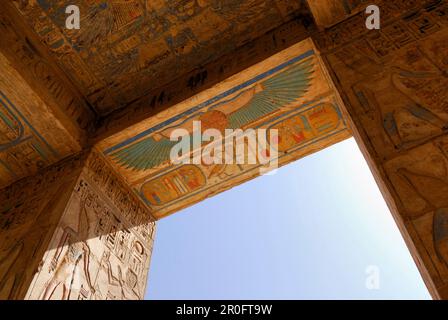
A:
(308, 232)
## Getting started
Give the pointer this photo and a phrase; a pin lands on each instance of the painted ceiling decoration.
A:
(153, 41)
(20, 142)
(31, 137)
(125, 49)
(252, 103)
(289, 91)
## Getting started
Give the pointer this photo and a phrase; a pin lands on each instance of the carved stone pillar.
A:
(73, 232)
(394, 82)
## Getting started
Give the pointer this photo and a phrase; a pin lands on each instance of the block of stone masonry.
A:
(290, 93)
(43, 118)
(73, 231)
(393, 82)
(327, 13)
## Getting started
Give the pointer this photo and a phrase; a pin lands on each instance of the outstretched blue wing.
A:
(144, 154)
(278, 91)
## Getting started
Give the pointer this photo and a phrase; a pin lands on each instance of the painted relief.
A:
(35, 130)
(289, 92)
(73, 232)
(23, 150)
(395, 82)
(88, 264)
(173, 185)
(307, 126)
(298, 131)
(11, 129)
(95, 251)
(420, 177)
(236, 109)
(81, 230)
(154, 41)
(29, 213)
(398, 78)
(430, 233)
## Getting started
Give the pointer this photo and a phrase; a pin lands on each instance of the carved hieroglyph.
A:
(43, 118)
(81, 236)
(74, 232)
(289, 91)
(394, 81)
(31, 137)
(29, 212)
(152, 41)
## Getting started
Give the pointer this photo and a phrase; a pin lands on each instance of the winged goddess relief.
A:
(252, 104)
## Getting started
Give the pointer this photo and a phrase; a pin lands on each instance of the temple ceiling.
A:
(137, 70)
(31, 137)
(289, 92)
(125, 48)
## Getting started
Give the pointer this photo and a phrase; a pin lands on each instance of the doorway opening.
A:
(317, 229)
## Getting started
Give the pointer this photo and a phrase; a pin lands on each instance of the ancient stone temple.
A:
(87, 115)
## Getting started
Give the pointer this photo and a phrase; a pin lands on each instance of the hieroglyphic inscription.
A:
(102, 245)
(29, 212)
(394, 82)
(154, 41)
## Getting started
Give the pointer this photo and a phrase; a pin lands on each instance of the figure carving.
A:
(400, 98)
(23, 239)
(76, 257)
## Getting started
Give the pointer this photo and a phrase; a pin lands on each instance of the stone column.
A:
(394, 83)
(73, 231)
